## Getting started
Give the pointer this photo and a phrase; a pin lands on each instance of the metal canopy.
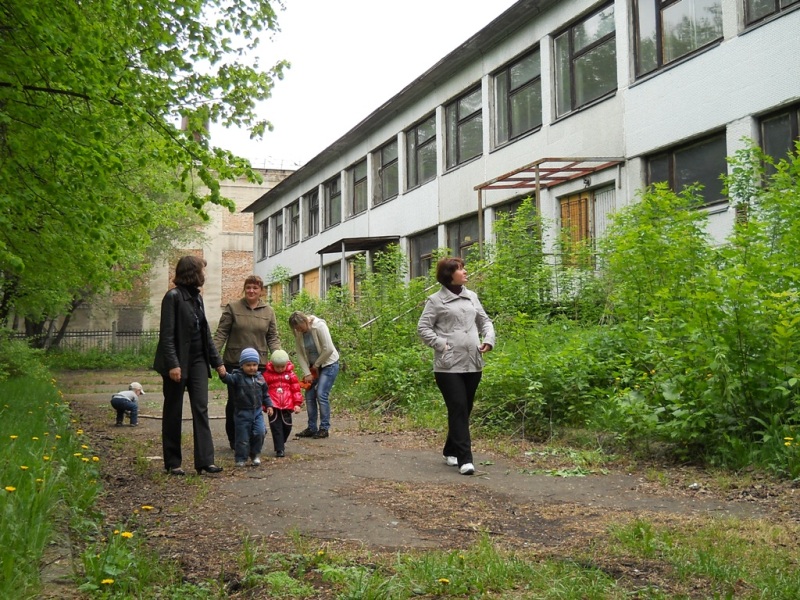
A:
(547, 172)
(356, 244)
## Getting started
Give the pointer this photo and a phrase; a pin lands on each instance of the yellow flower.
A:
(320, 552)
(46, 433)
(35, 439)
(77, 454)
(116, 531)
(23, 467)
(147, 507)
(788, 439)
(58, 437)
(13, 437)
(11, 488)
(45, 457)
(787, 443)
(444, 580)
(39, 480)
(96, 459)
(126, 534)
(108, 581)
(84, 446)
(79, 432)
(84, 459)
(653, 372)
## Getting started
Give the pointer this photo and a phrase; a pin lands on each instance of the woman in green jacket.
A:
(248, 322)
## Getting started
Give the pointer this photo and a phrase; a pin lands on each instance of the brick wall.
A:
(237, 265)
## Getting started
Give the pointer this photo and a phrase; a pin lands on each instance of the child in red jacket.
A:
(284, 390)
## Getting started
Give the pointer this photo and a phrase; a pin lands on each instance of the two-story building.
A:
(577, 103)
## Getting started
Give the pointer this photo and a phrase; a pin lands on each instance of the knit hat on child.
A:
(279, 358)
(248, 355)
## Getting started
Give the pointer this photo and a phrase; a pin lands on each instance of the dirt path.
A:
(382, 491)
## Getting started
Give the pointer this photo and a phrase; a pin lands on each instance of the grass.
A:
(49, 482)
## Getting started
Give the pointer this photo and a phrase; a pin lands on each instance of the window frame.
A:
(293, 218)
(453, 232)
(457, 124)
(778, 7)
(503, 106)
(332, 196)
(655, 9)
(311, 211)
(576, 55)
(421, 262)
(385, 166)
(263, 239)
(276, 233)
(415, 150)
(792, 112)
(358, 184)
(671, 152)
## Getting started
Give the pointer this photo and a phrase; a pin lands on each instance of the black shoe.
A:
(209, 469)
(322, 433)
(280, 453)
(306, 433)
(119, 424)
(176, 471)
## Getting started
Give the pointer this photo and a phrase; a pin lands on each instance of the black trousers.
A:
(230, 427)
(458, 391)
(280, 424)
(196, 383)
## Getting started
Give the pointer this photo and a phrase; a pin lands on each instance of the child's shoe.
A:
(240, 463)
(256, 460)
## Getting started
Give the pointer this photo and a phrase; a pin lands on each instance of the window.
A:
(294, 286)
(464, 120)
(667, 30)
(421, 142)
(358, 182)
(263, 239)
(779, 132)
(461, 235)
(293, 217)
(575, 216)
(388, 179)
(421, 252)
(276, 231)
(312, 213)
(333, 275)
(586, 61)
(700, 162)
(518, 98)
(755, 10)
(333, 202)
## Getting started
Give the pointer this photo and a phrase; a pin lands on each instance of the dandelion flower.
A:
(320, 552)
(84, 446)
(444, 580)
(126, 534)
(84, 459)
(13, 437)
(35, 439)
(11, 488)
(39, 480)
(95, 459)
(45, 457)
(787, 443)
(108, 581)
(77, 454)
(23, 467)
(79, 432)
(147, 507)
(116, 532)
(789, 439)
(58, 437)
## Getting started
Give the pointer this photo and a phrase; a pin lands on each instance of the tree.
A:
(89, 158)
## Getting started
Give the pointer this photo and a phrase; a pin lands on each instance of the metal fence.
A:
(102, 339)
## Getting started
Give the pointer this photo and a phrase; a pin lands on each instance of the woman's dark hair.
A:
(189, 272)
(446, 267)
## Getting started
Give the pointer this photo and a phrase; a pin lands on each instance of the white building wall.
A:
(722, 88)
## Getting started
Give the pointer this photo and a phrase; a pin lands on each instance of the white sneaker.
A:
(467, 469)
(241, 463)
(256, 461)
(451, 461)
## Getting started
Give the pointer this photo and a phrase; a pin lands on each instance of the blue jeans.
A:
(317, 398)
(122, 406)
(250, 430)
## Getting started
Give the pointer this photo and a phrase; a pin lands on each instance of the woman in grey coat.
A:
(453, 323)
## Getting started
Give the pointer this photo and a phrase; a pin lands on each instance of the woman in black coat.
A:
(184, 357)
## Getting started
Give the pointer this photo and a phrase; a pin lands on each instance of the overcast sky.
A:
(348, 57)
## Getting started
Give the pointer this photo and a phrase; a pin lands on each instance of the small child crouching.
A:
(249, 392)
(127, 402)
(284, 391)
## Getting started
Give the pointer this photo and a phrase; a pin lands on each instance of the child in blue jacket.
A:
(249, 392)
